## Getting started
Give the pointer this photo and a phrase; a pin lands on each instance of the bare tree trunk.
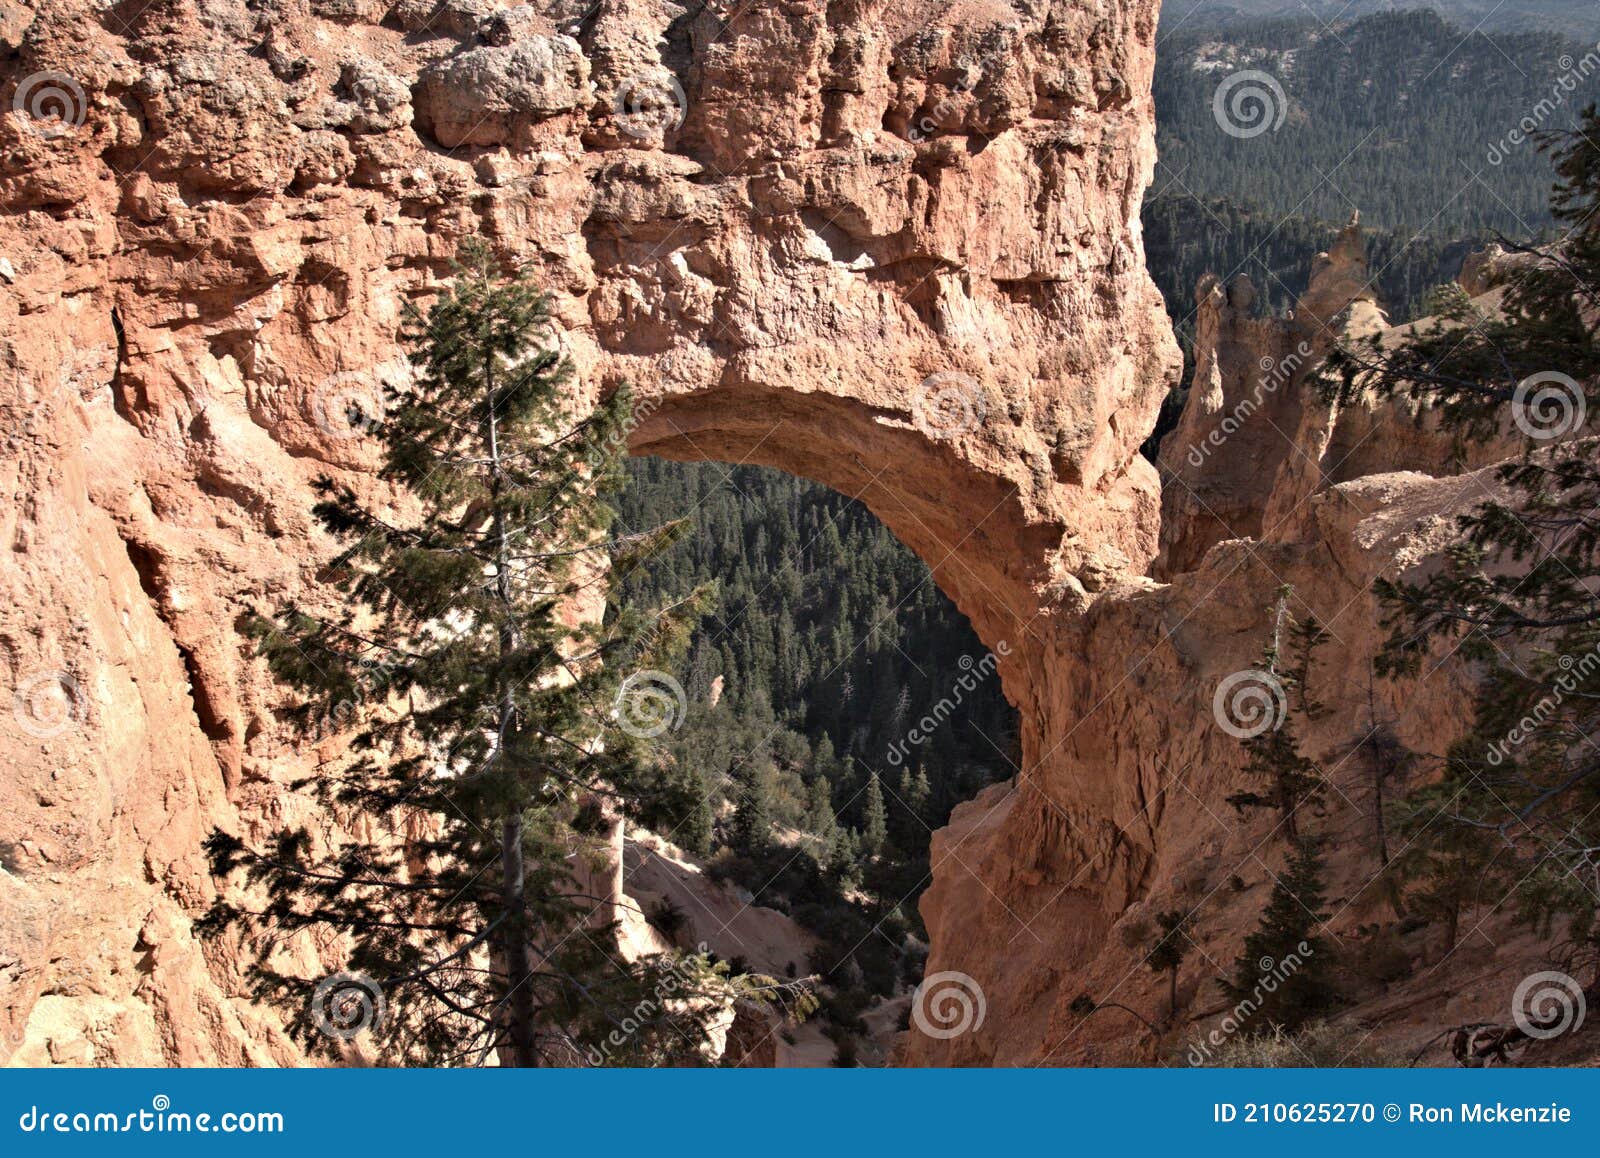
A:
(518, 1005)
(519, 974)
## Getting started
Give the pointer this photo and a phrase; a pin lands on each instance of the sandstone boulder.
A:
(480, 96)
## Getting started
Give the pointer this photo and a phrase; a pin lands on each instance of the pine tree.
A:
(1169, 952)
(750, 833)
(921, 791)
(819, 808)
(875, 830)
(1516, 592)
(1273, 756)
(909, 828)
(1450, 867)
(843, 863)
(1283, 976)
(486, 749)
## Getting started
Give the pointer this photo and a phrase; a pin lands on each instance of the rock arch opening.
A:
(838, 708)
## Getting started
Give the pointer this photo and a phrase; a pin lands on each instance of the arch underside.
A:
(967, 525)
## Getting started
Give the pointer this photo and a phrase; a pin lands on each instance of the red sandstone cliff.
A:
(890, 245)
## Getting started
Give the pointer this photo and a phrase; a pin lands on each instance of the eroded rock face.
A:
(888, 246)
(1048, 888)
(892, 249)
(1257, 437)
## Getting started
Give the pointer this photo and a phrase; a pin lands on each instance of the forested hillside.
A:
(1578, 18)
(828, 642)
(1186, 237)
(1398, 116)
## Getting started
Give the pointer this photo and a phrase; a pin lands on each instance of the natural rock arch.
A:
(219, 248)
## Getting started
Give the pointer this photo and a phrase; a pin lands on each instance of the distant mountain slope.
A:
(1186, 237)
(1402, 116)
(1578, 18)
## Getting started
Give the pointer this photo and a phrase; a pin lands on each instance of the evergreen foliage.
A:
(1167, 957)
(1187, 237)
(831, 641)
(1520, 798)
(483, 744)
(1292, 780)
(1283, 973)
(1395, 114)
